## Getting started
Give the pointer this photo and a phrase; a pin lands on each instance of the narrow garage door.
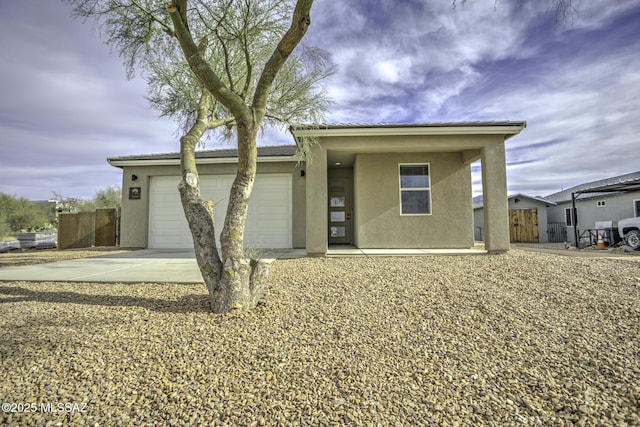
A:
(268, 221)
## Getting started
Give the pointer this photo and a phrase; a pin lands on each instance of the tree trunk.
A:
(234, 282)
(244, 280)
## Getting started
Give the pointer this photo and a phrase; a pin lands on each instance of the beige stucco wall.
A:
(449, 227)
(494, 193)
(377, 203)
(134, 225)
(316, 207)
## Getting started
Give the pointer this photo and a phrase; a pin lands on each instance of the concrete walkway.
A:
(349, 251)
(146, 265)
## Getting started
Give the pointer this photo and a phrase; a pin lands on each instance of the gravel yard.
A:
(526, 338)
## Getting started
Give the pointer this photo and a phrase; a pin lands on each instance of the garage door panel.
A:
(275, 203)
(268, 218)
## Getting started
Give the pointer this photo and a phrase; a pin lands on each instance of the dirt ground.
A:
(525, 338)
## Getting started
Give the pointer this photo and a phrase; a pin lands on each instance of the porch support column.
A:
(317, 211)
(494, 191)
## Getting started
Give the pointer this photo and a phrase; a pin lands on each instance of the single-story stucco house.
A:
(369, 186)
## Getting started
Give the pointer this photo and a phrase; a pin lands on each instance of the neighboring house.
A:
(609, 200)
(370, 186)
(528, 221)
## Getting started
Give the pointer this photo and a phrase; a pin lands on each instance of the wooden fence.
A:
(87, 229)
(523, 225)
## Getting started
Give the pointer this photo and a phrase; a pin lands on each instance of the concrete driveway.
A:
(146, 265)
(171, 266)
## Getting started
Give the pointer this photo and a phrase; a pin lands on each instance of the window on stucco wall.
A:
(569, 217)
(415, 189)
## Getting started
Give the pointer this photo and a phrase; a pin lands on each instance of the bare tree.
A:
(563, 9)
(220, 64)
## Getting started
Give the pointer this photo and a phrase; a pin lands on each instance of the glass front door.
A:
(340, 229)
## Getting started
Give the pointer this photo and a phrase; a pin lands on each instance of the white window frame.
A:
(636, 210)
(428, 189)
(571, 216)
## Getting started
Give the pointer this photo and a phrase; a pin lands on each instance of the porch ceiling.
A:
(341, 158)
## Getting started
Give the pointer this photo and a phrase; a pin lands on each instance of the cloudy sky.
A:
(66, 104)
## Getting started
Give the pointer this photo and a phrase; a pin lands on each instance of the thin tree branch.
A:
(247, 57)
(210, 80)
(225, 53)
(154, 18)
(220, 122)
(299, 25)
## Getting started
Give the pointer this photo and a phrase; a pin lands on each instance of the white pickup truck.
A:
(629, 230)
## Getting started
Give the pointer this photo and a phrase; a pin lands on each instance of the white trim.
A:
(427, 130)
(635, 211)
(201, 161)
(400, 189)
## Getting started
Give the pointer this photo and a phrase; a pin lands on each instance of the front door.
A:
(340, 228)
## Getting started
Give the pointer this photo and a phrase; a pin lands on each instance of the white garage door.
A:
(268, 221)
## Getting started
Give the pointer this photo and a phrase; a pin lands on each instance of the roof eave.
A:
(538, 199)
(507, 130)
(120, 163)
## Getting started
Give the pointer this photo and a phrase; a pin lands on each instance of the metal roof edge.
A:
(266, 154)
(539, 199)
(123, 162)
(436, 128)
(480, 205)
(595, 186)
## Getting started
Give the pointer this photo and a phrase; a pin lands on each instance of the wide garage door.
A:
(268, 221)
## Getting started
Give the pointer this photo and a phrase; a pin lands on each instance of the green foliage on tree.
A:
(106, 198)
(18, 214)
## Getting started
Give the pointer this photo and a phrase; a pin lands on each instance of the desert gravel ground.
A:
(525, 338)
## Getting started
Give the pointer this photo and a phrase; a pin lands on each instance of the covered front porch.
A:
(355, 194)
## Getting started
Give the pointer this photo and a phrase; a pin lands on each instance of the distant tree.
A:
(109, 197)
(20, 214)
(563, 9)
(220, 64)
(5, 230)
(67, 204)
